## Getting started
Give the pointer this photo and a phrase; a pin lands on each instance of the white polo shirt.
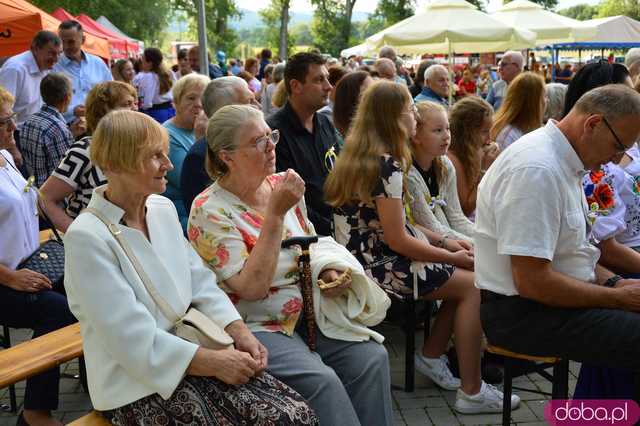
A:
(21, 76)
(531, 203)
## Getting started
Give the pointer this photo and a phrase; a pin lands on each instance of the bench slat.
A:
(40, 354)
(93, 418)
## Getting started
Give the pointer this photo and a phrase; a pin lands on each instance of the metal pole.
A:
(202, 38)
(451, 74)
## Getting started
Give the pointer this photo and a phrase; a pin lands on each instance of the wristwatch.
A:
(611, 282)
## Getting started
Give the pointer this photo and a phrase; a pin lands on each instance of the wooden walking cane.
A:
(306, 284)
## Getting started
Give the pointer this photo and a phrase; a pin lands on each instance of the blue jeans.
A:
(43, 312)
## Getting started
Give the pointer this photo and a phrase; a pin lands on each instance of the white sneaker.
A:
(437, 369)
(488, 400)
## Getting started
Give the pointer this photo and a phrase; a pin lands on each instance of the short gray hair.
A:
(555, 93)
(613, 101)
(632, 56)
(44, 37)
(187, 83)
(516, 57)
(278, 73)
(54, 88)
(221, 92)
(431, 70)
(222, 132)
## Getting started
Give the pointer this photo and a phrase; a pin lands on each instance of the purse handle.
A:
(165, 308)
(41, 209)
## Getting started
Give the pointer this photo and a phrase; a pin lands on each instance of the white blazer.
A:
(127, 347)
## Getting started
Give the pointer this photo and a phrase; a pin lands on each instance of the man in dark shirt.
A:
(308, 141)
(219, 92)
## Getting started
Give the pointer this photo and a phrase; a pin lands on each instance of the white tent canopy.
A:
(446, 26)
(549, 27)
(361, 49)
(615, 29)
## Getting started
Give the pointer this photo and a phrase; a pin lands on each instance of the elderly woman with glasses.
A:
(27, 298)
(237, 226)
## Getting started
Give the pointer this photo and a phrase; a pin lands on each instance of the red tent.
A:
(20, 21)
(120, 48)
(62, 14)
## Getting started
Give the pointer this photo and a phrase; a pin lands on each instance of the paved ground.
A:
(428, 405)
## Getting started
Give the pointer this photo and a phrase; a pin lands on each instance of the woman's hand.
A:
(286, 194)
(489, 154)
(245, 341)
(463, 259)
(329, 275)
(200, 125)
(29, 281)
(231, 366)
(465, 244)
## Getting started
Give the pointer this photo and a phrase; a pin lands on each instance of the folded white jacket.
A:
(363, 305)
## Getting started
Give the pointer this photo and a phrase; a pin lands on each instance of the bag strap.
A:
(41, 209)
(165, 308)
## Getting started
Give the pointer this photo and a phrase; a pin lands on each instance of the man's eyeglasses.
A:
(620, 147)
(6, 120)
(261, 143)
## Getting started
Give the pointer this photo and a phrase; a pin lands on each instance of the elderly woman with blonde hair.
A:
(130, 243)
(184, 128)
(237, 225)
(68, 190)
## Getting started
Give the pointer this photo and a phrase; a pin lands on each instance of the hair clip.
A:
(30, 181)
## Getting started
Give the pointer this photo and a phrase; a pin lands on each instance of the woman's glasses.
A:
(261, 143)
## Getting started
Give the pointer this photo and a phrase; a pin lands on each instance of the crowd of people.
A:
(513, 204)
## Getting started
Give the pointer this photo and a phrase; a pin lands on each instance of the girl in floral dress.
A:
(367, 190)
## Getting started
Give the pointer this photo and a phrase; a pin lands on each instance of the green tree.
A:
(387, 13)
(276, 18)
(217, 13)
(630, 8)
(547, 4)
(148, 26)
(331, 24)
(581, 12)
(301, 33)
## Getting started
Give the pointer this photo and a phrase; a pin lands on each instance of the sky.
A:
(370, 5)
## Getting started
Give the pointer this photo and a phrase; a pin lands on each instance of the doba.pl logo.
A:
(591, 412)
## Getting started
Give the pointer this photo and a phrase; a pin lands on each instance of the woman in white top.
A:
(521, 111)
(27, 299)
(432, 178)
(138, 371)
(154, 84)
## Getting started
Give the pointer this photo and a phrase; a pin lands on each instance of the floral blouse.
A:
(604, 190)
(224, 230)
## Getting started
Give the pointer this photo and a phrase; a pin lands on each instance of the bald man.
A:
(386, 69)
(511, 64)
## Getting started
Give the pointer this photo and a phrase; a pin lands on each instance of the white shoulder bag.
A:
(194, 326)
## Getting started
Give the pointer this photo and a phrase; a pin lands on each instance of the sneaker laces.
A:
(445, 371)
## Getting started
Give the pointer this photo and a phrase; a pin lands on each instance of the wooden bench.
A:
(91, 419)
(40, 354)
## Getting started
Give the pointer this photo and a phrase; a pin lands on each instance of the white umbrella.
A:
(359, 50)
(550, 27)
(447, 26)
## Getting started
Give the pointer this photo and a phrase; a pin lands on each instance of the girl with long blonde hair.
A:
(522, 110)
(432, 178)
(367, 190)
(471, 151)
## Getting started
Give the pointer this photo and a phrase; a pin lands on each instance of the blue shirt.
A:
(85, 74)
(180, 141)
(194, 178)
(429, 95)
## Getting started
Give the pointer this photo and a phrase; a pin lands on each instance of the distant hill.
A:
(251, 19)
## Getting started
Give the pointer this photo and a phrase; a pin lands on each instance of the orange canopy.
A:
(20, 21)
(120, 47)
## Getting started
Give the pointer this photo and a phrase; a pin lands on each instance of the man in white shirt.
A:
(542, 290)
(21, 74)
(83, 69)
